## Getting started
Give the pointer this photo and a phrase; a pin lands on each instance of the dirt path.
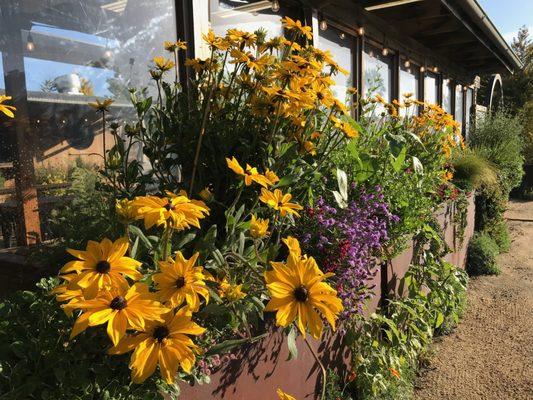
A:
(490, 355)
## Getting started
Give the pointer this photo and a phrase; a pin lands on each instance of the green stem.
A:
(324, 374)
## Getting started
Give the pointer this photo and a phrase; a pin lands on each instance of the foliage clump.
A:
(482, 253)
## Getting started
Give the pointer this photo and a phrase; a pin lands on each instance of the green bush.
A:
(38, 361)
(500, 234)
(498, 138)
(481, 258)
(472, 171)
(490, 206)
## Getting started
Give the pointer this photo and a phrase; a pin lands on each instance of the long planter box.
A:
(257, 370)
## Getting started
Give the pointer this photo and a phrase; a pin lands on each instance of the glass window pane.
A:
(431, 88)
(409, 81)
(65, 54)
(377, 73)
(459, 104)
(342, 51)
(468, 107)
(447, 95)
(246, 15)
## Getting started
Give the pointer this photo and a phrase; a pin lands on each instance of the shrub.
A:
(498, 138)
(490, 206)
(500, 234)
(38, 361)
(472, 171)
(481, 258)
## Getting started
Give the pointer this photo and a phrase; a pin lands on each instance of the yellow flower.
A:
(299, 293)
(296, 26)
(215, 42)
(206, 194)
(122, 309)
(238, 37)
(69, 292)
(102, 266)
(284, 396)
(173, 46)
(125, 210)
(258, 227)
(163, 64)
(250, 175)
(279, 201)
(348, 130)
(230, 291)
(166, 344)
(180, 281)
(102, 106)
(200, 65)
(271, 176)
(5, 109)
(176, 211)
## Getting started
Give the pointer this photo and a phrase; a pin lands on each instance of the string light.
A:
(385, 51)
(30, 44)
(361, 31)
(407, 63)
(323, 25)
(422, 69)
(435, 69)
(342, 35)
(275, 6)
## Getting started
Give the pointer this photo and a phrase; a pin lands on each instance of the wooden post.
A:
(28, 221)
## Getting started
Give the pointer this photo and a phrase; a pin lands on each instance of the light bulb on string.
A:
(275, 6)
(342, 35)
(30, 44)
(407, 63)
(385, 52)
(323, 25)
(361, 31)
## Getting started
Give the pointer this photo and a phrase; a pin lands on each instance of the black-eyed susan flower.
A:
(125, 210)
(5, 109)
(271, 176)
(250, 174)
(181, 281)
(174, 46)
(258, 227)
(121, 309)
(297, 27)
(280, 202)
(300, 294)
(102, 106)
(175, 210)
(215, 42)
(102, 266)
(163, 64)
(166, 343)
(230, 292)
(284, 396)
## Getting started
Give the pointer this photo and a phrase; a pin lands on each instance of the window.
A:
(247, 15)
(342, 48)
(447, 93)
(468, 108)
(377, 73)
(459, 104)
(409, 83)
(64, 54)
(431, 88)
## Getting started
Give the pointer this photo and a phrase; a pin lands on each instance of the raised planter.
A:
(259, 369)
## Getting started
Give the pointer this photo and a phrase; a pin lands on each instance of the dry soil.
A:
(490, 354)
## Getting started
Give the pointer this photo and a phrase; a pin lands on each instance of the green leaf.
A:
(229, 344)
(140, 234)
(440, 320)
(291, 344)
(397, 162)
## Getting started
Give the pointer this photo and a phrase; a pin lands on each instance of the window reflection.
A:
(447, 93)
(431, 88)
(63, 54)
(342, 51)
(468, 107)
(377, 73)
(409, 81)
(459, 104)
(246, 15)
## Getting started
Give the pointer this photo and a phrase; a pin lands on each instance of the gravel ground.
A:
(490, 355)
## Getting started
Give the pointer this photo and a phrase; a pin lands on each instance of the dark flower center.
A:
(118, 303)
(160, 333)
(169, 206)
(180, 282)
(103, 267)
(301, 293)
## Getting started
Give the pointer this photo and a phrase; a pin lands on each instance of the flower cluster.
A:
(346, 241)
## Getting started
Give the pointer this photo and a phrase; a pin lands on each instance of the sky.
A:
(509, 15)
